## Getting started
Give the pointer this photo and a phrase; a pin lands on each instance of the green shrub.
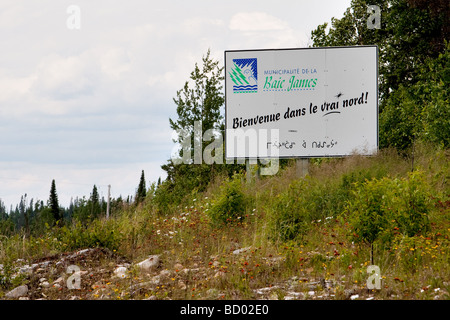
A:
(361, 175)
(329, 198)
(370, 211)
(184, 181)
(9, 277)
(99, 233)
(413, 203)
(291, 212)
(165, 199)
(304, 201)
(379, 209)
(6, 227)
(230, 204)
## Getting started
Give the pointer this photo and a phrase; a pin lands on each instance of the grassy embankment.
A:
(300, 236)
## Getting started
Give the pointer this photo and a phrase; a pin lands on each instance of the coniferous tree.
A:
(141, 192)
(6, 222)
(94, 196)
(198, 102)
(53, 202)
(94, 203)
(3, 212)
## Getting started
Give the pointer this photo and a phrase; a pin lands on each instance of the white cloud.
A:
(15, 88)
(115, 61)
(253, 30)
(256, 21)
(13, 15)
(63, 78)
(198, 25)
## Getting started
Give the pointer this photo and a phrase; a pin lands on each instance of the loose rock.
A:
(149, 264)
(17, 292)
(120, 272)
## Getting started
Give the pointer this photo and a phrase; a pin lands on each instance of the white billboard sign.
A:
(315, 102)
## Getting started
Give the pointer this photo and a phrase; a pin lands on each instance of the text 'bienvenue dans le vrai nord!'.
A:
(326, 108)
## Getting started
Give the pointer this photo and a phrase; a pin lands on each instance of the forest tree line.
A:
(36, 216)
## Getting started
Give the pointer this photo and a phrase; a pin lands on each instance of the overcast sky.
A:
(91, 105)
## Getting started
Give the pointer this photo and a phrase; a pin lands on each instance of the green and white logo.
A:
(244, 75)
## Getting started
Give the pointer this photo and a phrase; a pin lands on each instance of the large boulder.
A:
(17, 292)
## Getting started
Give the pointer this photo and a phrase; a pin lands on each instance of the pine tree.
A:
(94, 202)
(94, 195)
(141, 192)
(199, 101)
(3, 212)
(53, 202)
(203, 101)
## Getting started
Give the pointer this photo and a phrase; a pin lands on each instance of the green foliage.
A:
(200, 100)
(369, 210)
(9, 277)
(82, 211)
(381, 208)
(412, 204)
(99, 233)
(53, 202)
(432, 91)
(308, 200)
(323, 197)
(6, 227)
(184, 181)
(142, 190)
(44, 220)
(164, 198)
(231, 202)
(5, 276)
(291, 212)
(200, 103)
(203, 101)
(421, 110)
(360, 175)
(328, 196)
(399, 121)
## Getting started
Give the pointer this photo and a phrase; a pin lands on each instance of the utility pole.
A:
(108, 202)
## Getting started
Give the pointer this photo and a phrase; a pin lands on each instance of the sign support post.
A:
(302, 166)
